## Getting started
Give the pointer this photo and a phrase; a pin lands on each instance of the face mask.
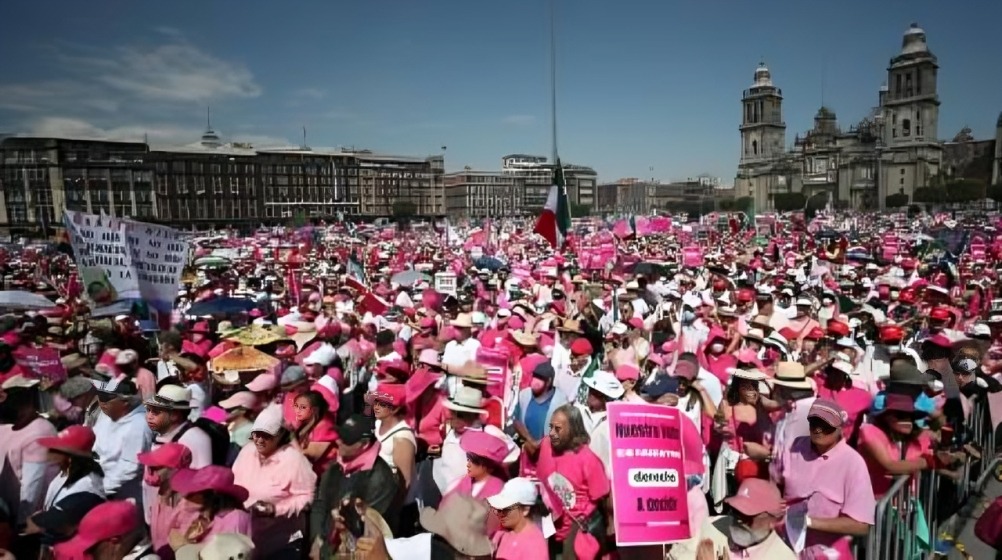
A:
(152, 477)
(744, 537)
(537, 385)
(688, 317)
(716, 348)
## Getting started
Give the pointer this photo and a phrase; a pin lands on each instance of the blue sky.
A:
(642, 83)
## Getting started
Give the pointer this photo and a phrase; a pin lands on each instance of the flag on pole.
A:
(356, 273)
(555, 221)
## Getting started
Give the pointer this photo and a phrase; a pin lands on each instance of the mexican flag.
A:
(555, 220)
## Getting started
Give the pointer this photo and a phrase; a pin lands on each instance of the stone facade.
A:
(895, 149)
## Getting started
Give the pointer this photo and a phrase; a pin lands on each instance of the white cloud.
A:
(519, 120)
(155, 133)
(127, 91)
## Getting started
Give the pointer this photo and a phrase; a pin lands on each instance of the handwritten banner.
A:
(122, 259)
(648, 480)
(41, 363)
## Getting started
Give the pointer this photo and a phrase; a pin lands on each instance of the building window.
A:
(918, 81)
(894, 133)
(906, 127)
(754, 147)
(897, 86)
(902, 181)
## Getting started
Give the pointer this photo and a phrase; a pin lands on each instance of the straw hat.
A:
(256, 335)
(524, 338)
(467, 399)
(243, 358)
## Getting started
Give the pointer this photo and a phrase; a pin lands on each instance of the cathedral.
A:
(894, 150)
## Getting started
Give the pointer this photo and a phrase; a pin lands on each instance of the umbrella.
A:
(221, 306)
(256, 335)
(492, 264)
(409, 278)
(22, 300)
(243, 358)
(211, 261)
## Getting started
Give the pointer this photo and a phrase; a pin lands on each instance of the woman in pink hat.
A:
(169, 512)
(485, 456)
(398, 446)
(71, 451)
(220, 504)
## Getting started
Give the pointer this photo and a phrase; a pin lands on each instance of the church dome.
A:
(762, 75)
(914, 41)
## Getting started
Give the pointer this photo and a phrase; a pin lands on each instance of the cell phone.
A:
(352, 519)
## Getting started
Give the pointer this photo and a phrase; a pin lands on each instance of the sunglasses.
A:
(505, 512)
(820, 426)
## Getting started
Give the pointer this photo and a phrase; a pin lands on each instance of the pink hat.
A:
(242, 399)
(939, 340)
(262, 383)
(482, 444)
(104, 522)
(394, 394)
(169, 455)
(669, 346)
(429, 356)
(627, 372)
(215, 414)
(686, 370)
(74, 440)
(211, 478)
(756, 496)
(418, 383)
(635, 323)
(828, 412)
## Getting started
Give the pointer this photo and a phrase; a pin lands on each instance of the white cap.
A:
(517, 491)
(606, 383)
(269, 421)
(19, 381)
(981, 329)
(504, 313)
(844, 367)
(323, 356)
(126, 357)
(618, 328)
(221, 546)
(804, 301)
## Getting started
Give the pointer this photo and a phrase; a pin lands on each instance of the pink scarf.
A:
(361, 462)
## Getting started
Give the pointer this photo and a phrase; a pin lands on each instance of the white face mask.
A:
(716, 348)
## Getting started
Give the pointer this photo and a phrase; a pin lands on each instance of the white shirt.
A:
(58, 489)
(417, 547)
(713, 387)
(117, 444)
(458, 353)
(388, 441)
(597, 425)
(199, 401)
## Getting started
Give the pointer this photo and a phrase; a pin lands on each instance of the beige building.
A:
(895, 149)
(483, 194)
(537, 174)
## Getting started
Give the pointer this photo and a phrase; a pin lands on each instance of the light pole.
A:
(879, 180)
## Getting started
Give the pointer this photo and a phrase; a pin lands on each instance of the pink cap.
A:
(104, 522)
(242, 399)
(756, 496)
(482, 444)
(627, 372)
(262, 383)
(169, 455)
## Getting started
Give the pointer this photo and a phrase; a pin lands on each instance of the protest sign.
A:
(41, 363)
(648, 480)
(122, 259)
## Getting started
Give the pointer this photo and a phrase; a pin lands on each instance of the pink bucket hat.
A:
(482, 444)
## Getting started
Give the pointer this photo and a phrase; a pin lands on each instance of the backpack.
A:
(989, 525)
(218, 435)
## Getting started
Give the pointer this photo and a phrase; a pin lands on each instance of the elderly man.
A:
(121, 434)
(81, 394)
(825, 482)
(748, 532)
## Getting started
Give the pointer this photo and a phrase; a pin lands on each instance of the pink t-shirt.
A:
(833, 484)
(579, 481)
(873, 435)
(526, 544)
(233, 521)
(854, 401)
(324, 432)
(430, 427)
(21, 446)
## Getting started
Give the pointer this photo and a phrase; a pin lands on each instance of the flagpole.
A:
(553, 77)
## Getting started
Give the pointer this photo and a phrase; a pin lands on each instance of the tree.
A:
(727, 204)
(580, 210)
(995, 193)
(404, 210)
(965, 190)
(930, 195)
(744, 204)
(897, 200)
(788, 202)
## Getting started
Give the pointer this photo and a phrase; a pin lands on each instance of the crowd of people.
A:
(343, 415)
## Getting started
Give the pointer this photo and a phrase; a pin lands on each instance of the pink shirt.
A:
(833, 484)
(324, 432)
(873, 435)
(233, 521)
(578, 479)
(146, 382)
(166, 518)
(527, 543)
(285, 480)
(429, 428)
(855, 401)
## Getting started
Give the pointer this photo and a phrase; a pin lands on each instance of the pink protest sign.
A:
(41, 363)
(648, 480)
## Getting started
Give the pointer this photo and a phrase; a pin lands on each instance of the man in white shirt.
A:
(467, 414)
(464, 349)
(121, 434)
(167, 415)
